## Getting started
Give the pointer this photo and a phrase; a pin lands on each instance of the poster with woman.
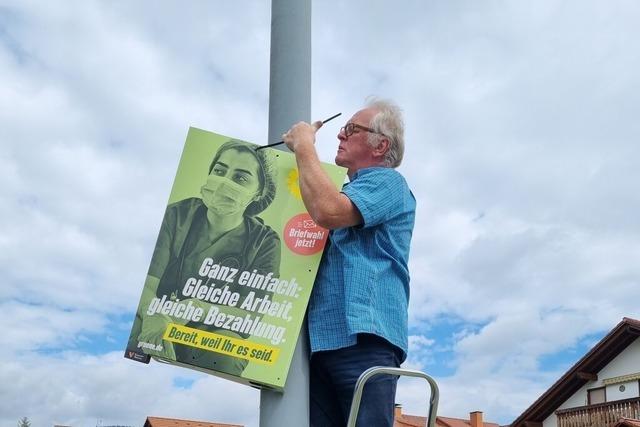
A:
(233, 266)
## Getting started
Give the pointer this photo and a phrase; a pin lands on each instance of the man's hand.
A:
(300, 134)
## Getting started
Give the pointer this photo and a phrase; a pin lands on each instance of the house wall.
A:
(551, 421)
(627, 362)
(631, 389)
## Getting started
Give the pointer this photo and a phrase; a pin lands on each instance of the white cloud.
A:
(31, 327)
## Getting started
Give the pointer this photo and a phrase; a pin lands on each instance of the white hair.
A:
(387, 121)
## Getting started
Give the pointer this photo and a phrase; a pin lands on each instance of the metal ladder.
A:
(378, 370)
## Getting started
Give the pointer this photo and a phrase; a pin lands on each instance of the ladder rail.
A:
(379, 370)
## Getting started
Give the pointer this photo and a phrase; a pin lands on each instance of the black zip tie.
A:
(282, 142)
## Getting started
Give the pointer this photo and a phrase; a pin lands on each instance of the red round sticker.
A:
(303, 236)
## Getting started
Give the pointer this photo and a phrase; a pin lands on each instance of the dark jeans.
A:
(333, 379)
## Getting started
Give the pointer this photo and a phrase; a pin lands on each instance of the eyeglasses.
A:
(350, 128)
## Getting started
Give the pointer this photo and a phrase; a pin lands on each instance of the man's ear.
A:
(382, 147)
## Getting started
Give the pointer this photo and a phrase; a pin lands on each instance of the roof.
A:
(457, 422)
(404, 420)
(416, 421)
(619, 338)
(172, 422)
(627, 422)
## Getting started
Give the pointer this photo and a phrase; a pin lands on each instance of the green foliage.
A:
(24, 422)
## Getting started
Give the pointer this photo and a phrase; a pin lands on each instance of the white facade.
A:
(611, 376)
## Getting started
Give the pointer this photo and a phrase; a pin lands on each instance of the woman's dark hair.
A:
(266, 171)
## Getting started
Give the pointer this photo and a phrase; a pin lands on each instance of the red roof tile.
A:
(172, 422)
(415, 421)
(458, 422)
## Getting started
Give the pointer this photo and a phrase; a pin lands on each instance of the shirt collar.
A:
(364, 171)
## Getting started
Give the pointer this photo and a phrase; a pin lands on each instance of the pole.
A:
(289, 102)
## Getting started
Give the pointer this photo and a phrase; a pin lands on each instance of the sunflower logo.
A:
(293, 184)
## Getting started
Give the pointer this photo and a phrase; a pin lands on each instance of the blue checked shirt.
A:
(362, 284)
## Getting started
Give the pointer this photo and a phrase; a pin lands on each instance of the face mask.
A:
(224, 196)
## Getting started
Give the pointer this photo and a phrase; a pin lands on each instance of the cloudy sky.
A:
(522, 151)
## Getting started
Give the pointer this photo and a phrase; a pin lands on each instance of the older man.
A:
(358, 307)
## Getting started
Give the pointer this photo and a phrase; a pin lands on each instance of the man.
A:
(358, 307)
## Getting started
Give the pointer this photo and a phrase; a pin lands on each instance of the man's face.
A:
(354, 152)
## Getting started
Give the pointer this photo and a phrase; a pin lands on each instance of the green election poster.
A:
(233, 267)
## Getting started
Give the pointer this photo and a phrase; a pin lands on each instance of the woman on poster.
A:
(222, 225)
